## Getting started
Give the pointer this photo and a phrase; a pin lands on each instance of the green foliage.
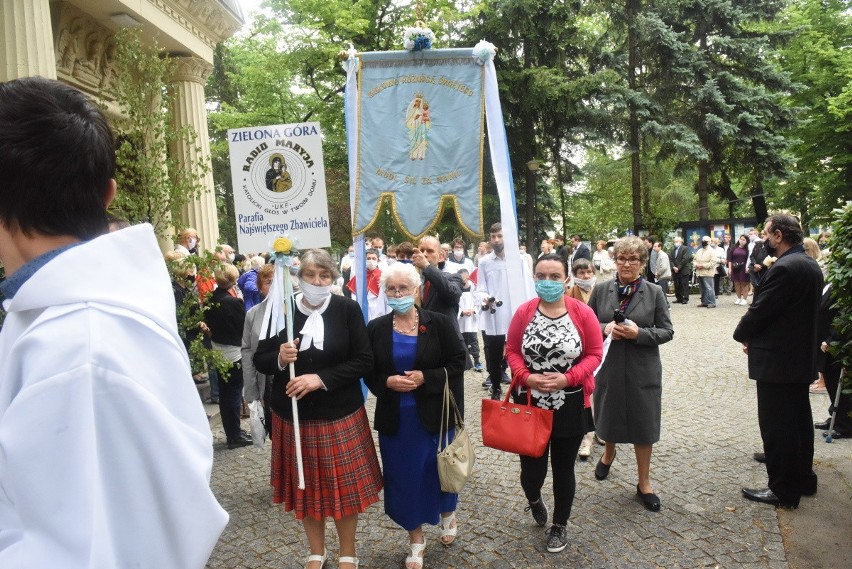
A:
(819, 61)
(153, 186)
(191, 312)
(840, 277)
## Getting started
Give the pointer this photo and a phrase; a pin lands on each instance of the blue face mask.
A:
(549, 291)
(402, 304)
(404, 261)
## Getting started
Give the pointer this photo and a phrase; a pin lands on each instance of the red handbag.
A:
(512, 427)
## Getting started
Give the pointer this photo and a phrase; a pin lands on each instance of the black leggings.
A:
(494, 362)
(563, 453)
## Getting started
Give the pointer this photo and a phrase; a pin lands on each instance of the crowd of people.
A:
(428, 306)
(131, 449)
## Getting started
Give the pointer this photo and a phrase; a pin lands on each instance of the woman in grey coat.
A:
(628, 386)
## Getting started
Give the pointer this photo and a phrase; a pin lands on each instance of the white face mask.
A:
(585, 284)
(315, 295)
(371, 265)
(231, 257)
(459, 253)
(192, 243)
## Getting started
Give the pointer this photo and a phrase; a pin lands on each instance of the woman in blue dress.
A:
(415, 352)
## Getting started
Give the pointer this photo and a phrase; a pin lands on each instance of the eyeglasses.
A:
(627, 261)
(397, 292)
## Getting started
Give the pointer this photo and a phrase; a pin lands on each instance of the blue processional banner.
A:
(420, 134)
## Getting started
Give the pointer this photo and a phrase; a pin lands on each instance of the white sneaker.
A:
(586, 446)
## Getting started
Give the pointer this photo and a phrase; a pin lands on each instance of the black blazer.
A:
(226, 316)
(345, 358)
(683, 260)
(780, 326)
(437, 350)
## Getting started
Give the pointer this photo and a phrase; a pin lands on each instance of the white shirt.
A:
(468, 302)
(493, 280)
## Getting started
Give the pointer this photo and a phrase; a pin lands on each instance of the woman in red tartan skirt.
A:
(331, 352)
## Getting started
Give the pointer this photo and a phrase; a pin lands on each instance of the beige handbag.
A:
(456, 458)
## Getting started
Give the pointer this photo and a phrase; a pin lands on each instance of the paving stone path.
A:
(709, 432)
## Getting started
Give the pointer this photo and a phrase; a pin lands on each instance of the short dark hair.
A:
(579, 265)
(460, 242)
(57, 156)
(554, 257)
(789, 226)
(577, 237)
(496, 227)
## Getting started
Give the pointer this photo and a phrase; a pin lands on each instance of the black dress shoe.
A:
(240, 442)
(602, 470)
(496, 394)
(835, 434)
(759, 457)
(650, 500)
(823, 426)
(767, 496)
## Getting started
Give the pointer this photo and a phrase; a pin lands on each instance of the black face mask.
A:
(498, 248)
(705, 243)
(770, 250)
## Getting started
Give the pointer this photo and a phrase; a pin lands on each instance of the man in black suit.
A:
(779, 334)
(681, 258)
(756, 267)
(579, 251)
(440, 291)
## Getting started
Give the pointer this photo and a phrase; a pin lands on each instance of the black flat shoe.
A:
(823, 426)
(767, 496)
(602, 470)
(650, 500)
(240, 442)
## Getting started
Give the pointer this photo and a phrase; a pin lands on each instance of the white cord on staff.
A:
(288, 308)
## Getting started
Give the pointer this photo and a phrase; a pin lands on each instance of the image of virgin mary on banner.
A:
(419, 138)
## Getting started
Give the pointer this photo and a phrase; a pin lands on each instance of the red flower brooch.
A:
(422, 328)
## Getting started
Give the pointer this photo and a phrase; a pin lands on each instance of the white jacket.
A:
(105, 450)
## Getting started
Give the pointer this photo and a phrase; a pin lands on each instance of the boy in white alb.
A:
(469, 318)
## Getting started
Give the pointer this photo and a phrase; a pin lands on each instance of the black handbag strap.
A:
(448, 403)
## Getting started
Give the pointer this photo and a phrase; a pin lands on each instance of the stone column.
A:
(26, 40)
(189, 110)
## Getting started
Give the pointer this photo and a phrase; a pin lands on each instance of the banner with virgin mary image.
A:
(419, 135)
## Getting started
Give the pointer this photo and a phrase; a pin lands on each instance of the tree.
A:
(717, 96)
(556, 95)
(819, 61)
(153, 186)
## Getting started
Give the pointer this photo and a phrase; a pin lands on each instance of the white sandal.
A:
(448, 529)
(352, 560)
(319, 558)
(416, 557)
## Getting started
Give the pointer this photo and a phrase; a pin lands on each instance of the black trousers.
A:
(494, 361)
(787, 430)
(563, 453)
(471, 340)
(231, 400)
(681, 286)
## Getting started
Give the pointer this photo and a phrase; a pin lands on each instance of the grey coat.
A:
(628, 387)
(255, 382)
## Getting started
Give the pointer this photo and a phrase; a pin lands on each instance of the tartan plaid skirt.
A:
(342, 474)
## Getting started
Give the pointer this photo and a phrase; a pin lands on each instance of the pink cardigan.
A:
(582, 372)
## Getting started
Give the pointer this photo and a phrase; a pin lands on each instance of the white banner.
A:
(279, 186)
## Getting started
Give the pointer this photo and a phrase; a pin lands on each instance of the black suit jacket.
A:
(780, 326)
(582, 253)
(437, 350)
(683, 260)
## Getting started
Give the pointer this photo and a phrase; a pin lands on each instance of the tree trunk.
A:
(530, 175)
(633, 135)
(701, 188)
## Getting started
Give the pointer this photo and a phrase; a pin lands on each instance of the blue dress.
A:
(413, 495)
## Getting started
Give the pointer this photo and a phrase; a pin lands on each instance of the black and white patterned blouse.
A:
(548, 345)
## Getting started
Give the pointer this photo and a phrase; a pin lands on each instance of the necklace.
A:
(410, 330)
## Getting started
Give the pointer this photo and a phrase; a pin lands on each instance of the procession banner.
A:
(418, 138)
(279, 185)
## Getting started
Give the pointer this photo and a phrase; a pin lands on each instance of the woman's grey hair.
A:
(401, 270)
(321, 259)
(630, 245)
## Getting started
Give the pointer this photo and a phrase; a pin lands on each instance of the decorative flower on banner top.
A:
(284, 249)
(484, 52)
(418, 38)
